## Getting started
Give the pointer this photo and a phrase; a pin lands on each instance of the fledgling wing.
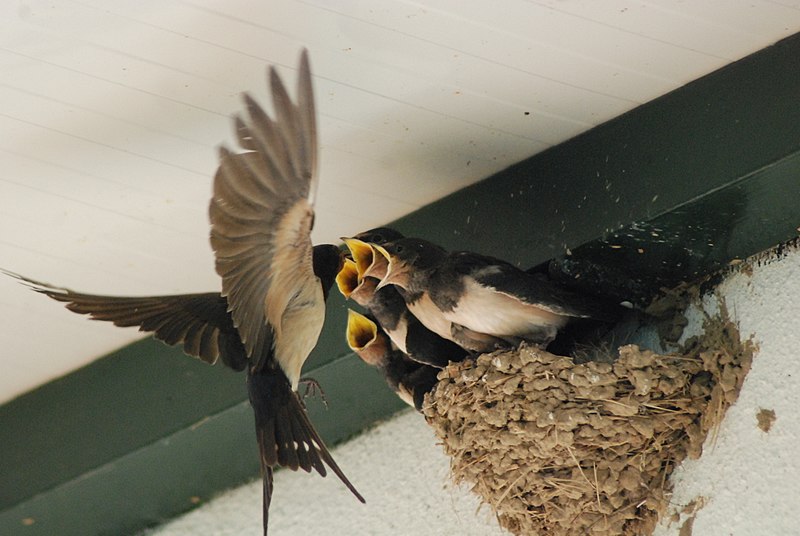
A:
(199, 322)
(418, 382)
(262, 212)
(528, 288)
(428, 348)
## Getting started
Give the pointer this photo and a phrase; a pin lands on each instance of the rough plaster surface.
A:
(747, 481)
(398, 468)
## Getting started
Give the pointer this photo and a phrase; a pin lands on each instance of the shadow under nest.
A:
(557, 447)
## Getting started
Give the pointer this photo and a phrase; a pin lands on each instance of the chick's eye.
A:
(398, 249)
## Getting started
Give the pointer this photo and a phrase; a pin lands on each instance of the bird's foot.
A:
(473, 341)
(313, 388)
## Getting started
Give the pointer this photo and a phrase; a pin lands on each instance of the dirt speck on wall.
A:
(766, 418)
(558, 448)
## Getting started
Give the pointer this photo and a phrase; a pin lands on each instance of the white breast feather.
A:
(291, 267)
(431, 317)
(486, 310)
(398, 336)
(301, 325)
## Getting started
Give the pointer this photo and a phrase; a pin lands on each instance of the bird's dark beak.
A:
(347, 278)
(396, 270)
(361, 253)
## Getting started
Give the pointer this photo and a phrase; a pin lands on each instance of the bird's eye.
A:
(398, 249)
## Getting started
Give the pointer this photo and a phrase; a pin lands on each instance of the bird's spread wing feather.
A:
(199, 322)
(262, 212)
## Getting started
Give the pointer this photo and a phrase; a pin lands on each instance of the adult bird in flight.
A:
(270, 313)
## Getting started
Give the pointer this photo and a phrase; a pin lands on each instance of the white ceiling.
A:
(111, 110)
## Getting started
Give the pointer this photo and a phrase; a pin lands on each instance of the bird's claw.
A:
(313, 388)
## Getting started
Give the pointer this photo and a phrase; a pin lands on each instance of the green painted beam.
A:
(149, 484)
(127, 441)
(707, 135)
(691, 241)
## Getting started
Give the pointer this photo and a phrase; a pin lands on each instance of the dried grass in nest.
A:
(560, 448)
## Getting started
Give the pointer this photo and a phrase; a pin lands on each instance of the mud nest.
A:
(558, 448)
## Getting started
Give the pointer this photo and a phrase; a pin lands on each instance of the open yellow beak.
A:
(362, 254)
(364, 293)
(361, 331)
(379, 264)
(396, 272)
(347, 278)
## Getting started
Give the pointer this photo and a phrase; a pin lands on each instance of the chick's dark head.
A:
(416, 252)
(409, 260)
(379, 235)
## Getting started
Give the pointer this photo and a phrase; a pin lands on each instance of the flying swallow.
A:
(409, 379)
(388, 307)
(481, 302)
(270, 313)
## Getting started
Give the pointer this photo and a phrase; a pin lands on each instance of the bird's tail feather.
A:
(321, 449)
(285, 434)
(266, 472)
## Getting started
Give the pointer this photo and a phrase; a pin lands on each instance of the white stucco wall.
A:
(398, 468)
(749, 479)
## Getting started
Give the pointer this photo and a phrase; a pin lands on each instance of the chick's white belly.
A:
(398, 335)
(300, 328)
(485, 310)
(431, 317)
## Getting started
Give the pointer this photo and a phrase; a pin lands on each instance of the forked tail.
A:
(285, 434)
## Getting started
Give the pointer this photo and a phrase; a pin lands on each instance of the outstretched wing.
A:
(199, 322)
(262, 212)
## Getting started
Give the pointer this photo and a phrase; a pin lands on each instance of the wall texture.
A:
(397, 467)
(746, 483)
(749, 479)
